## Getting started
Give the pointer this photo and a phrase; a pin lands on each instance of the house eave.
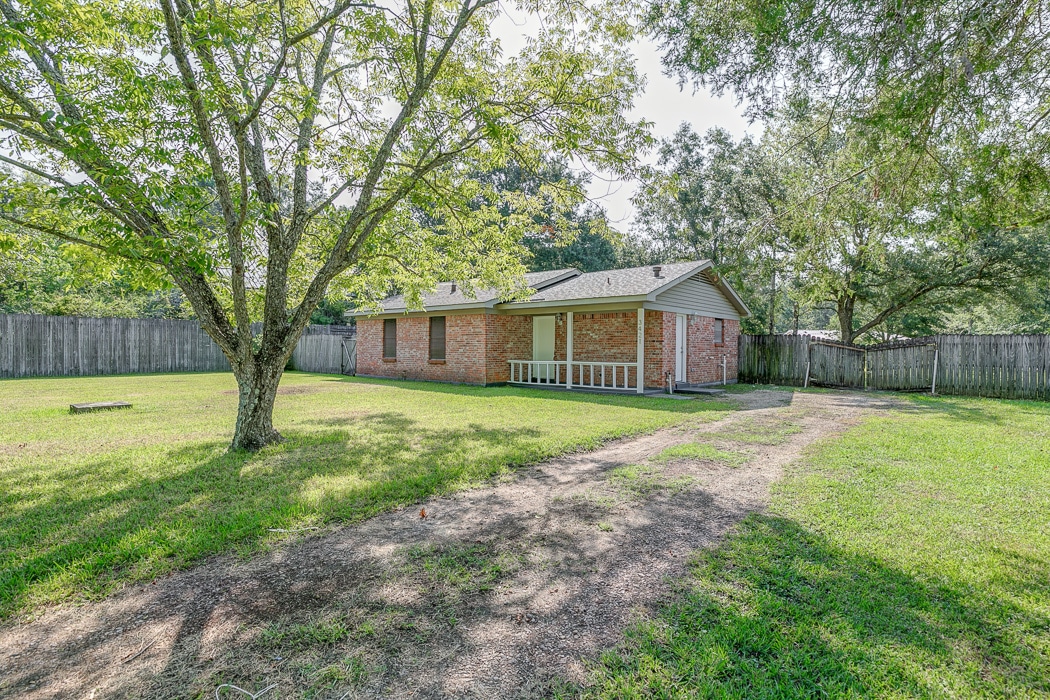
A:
(478, 305)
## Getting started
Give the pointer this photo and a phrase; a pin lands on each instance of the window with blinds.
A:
(390, 339)
(437, 337)
(718, 331)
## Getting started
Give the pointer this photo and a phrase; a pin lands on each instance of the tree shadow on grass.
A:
(778, 611)
(635, 401)
(72, 539)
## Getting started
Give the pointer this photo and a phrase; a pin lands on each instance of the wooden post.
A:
(809, 349)
(936, 352)
(568, 350)
(641, 350)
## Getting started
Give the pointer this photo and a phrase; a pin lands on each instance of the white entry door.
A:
(680, 356)
(543, 346)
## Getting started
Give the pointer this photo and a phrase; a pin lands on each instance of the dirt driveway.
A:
(497, 592)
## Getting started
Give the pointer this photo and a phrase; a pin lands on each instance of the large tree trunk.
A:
(258, 390)
(844, 311)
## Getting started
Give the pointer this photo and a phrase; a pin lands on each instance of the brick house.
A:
(677, 322)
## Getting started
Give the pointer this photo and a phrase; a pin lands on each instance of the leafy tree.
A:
(916, 67)
(965, 81)
(710, 197)
(956, 90)
(259, 154)
(566, 231)
(43, 275)
(835, 218)
(877, 230)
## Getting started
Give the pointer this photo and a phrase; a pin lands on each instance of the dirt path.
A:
(498, 592)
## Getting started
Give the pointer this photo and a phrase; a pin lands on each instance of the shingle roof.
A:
(569, 285)
(630, 282)
(444, 297)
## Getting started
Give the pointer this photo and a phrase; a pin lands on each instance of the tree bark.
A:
(844, 311)
(258, 391)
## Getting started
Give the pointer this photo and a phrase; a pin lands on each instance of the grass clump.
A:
(351, 671)
(643, 480)
(754, 432)
(305, 636)
(701, 452)
(458, 569)
(908, 557)
(89, 503)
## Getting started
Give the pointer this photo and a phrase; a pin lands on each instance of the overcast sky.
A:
(663, 103)
(667, 106)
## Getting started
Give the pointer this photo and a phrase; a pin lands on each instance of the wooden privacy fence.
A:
(43, 346)
(329, 354)
(1002, 366)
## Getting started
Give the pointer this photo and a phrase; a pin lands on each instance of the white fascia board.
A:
(733, 297)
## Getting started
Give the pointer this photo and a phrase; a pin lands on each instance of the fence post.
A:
(936, 352)
(805, 381)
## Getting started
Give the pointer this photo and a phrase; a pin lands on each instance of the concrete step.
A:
(705, 390)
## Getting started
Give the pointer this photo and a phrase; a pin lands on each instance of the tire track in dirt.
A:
(498, 592)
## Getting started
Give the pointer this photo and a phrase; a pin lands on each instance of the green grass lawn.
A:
(908, 558)
(91, 502)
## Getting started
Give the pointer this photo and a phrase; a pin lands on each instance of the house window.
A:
(437, 337)
(719, 339)
(390, 339)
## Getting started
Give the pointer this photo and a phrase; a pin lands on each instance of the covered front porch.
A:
(610, 360)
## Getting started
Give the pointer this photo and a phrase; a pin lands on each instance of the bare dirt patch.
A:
(497, 592)
(281, 390)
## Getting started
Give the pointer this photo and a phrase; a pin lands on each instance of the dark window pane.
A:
(437, 337)
(390, 338)
(718, 330)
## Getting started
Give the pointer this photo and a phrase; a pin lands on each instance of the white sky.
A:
(667, 106)
(663, 103)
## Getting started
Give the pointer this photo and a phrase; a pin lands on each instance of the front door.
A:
(543, 346)
(680, 357)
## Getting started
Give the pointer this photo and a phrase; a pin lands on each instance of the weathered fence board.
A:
(43, 346)
(322, 353)
(775, 359)
(1000, 366)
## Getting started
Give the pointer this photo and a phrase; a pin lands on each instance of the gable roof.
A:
(629, 282)
(568, 286)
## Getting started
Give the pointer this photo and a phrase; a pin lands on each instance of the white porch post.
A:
(568, 350)
(641, 350)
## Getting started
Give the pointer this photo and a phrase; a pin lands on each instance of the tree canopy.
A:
(914, 138)
(256, 153)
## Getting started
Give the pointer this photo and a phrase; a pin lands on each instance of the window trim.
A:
(720, 336)
(444, 339)
(388, 340)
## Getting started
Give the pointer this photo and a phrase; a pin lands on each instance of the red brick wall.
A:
(370, 346)
(478, 346)
(610, 336)
(605, 337)
(659, 347)
(464, 349)
(705, 357)
(506, 338)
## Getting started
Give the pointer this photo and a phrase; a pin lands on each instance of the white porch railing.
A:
(537, 372)
(586, 375)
